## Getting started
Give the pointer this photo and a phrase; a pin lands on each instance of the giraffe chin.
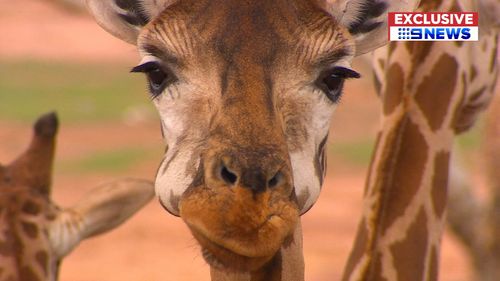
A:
(234, 240)
(222, 258)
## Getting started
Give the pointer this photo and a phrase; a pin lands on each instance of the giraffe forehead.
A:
(239, 32)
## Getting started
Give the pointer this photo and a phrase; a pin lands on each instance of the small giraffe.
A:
(431, 91)
(35, 234)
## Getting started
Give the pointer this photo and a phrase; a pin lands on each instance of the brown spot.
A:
(392, 46)
(27, 274)
(43, 260)
(50, 216)
(370, 168)
(473, 72)
(440, 182)
(320, 161)
(409, 255)
(377, 269)
(436, 90)
(358, 250)
(433, 265)
(11, 245)
(429, 5)
(394, 88)
(421, 51)
(377, 84)
(455, 7)
(494, 55)
(409, 46)
(457, 115)
(30, 207)
(30, 229)
(381, 62)
(474, 97)
(402, 171)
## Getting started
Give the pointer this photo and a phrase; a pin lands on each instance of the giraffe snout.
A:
(256, 171)
(244, 208)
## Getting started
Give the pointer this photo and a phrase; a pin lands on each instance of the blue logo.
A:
(434, 33)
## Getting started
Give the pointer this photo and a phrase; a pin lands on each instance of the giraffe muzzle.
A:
(243, 209)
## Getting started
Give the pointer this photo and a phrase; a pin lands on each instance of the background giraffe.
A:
(475, 220)
(35, 234)
(430, 92)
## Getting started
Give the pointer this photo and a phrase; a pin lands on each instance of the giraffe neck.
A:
(24, 252)
(287, 265)
(430, 92)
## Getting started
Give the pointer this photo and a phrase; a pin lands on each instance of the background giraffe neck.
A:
(430, 91)
(24, 252)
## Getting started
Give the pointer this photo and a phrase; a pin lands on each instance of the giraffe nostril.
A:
(228, 176)
(275, 180)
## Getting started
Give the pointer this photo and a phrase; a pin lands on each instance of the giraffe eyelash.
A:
(331, 81)
(158, 76)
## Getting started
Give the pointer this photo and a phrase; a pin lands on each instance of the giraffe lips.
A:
(221, 257)
(238, 232)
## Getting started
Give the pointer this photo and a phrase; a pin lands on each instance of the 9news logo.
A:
(433, 26)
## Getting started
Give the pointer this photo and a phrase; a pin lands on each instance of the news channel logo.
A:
(435, 26)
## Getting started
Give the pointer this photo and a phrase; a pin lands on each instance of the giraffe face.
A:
(245, 91)
(245, 107)
(247, 95)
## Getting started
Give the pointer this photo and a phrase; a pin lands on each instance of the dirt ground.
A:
(154, 245)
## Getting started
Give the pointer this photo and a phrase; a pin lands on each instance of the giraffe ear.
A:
(101, 210)
(366, 20)
(125, 18)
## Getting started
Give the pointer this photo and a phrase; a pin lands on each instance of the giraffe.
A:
(430, 92)
(475, 222)
(245, 91)
(35, 234)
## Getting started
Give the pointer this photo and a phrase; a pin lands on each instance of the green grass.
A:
(471, 140)
(78, 92)
(115, 161)
(357, 152)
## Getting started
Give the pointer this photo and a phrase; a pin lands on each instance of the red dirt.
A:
(154, 245)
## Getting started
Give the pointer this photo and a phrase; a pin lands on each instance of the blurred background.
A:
(53, 56)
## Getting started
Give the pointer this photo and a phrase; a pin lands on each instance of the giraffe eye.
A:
(158, 77)
(332, 81)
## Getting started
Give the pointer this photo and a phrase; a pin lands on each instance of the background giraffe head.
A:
(245, 91)
(35, 234)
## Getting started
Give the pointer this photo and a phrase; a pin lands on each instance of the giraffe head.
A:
(245, 91)
(35, 234)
